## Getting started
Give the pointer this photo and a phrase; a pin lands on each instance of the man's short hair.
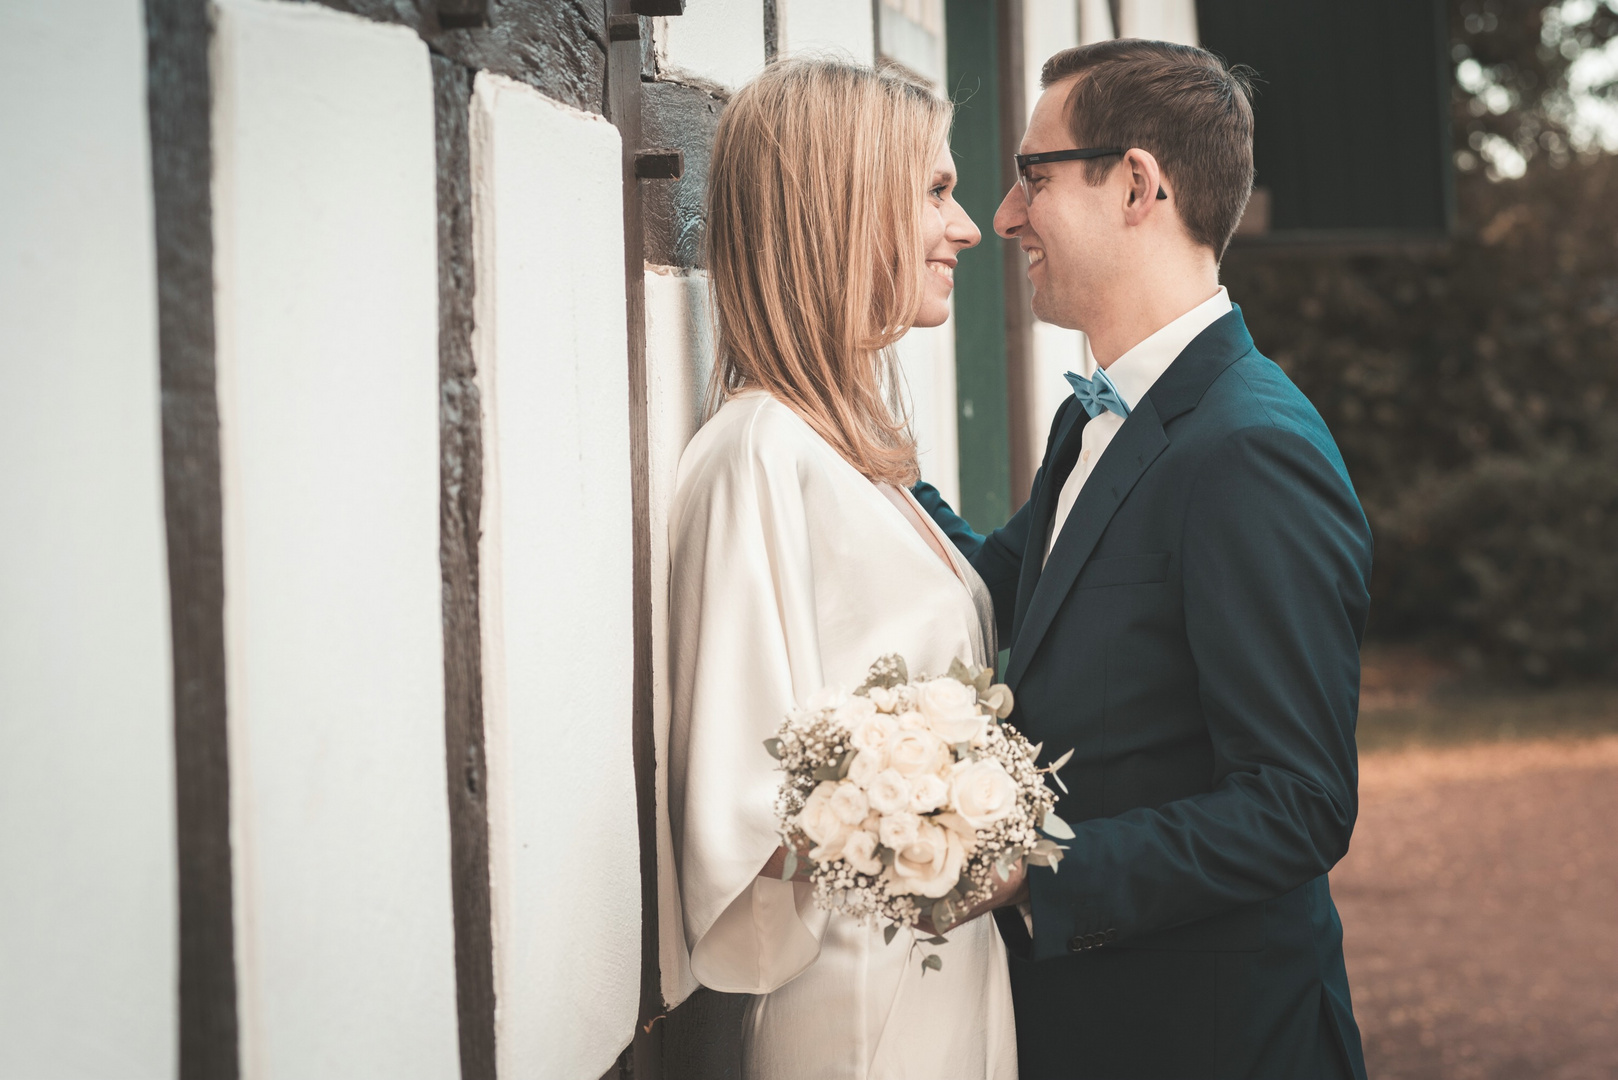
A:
(1180, 104)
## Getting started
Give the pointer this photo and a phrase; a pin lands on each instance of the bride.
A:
(798, 557)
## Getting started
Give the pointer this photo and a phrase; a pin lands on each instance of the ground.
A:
(1480, 896)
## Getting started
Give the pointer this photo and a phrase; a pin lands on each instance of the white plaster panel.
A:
(1049, 26)
(840, 28)
(87, 864)
(927, 359)
(556, 585)
(1159, 20)
(679, 358)
(719, 41)
(1095, 22)
(325, 258)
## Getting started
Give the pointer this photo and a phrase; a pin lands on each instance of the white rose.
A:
(961, 827)
(888, 792)
(866, 764)
(927, 793)
(930, 865)
(912, 721)
(898, 830)
(916, 752)
(833, 848)
(951, 709)
(848, 803)
(884, 698)
(853, 711)
(860, 851)
(983, 793)
(820, 823)
(874, 733)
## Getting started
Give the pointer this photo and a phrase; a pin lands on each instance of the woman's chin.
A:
(932, 313)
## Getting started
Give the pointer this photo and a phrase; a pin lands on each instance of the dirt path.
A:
(1480, 906)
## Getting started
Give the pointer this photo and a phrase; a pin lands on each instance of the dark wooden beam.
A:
(460, 506)
(177, 37)
(624, 110)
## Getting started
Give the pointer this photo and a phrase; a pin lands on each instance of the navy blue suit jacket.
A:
(1194, 638)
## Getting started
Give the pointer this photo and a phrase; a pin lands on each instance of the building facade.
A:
(350, 350)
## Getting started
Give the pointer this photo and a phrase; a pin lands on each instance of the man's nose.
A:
(1012, 214)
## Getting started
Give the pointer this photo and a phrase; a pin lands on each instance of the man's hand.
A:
(1006, 894)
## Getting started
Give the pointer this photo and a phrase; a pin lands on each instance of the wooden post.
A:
(178, 102)
(624, 31)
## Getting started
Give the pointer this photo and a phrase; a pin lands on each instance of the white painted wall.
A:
(927, 358)
(719, 41)
(1095, 22)
(679, 357)
(555, 578)
(841, 28)
(324, 203)
(1049, 26)
(1160, 20)
(87, 864)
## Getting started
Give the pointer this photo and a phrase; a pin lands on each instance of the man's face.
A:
(1071, 231)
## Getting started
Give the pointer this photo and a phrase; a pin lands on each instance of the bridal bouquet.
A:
(914, 796)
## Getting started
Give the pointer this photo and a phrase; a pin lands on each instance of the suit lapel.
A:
(1068, 441)
(1130, 454)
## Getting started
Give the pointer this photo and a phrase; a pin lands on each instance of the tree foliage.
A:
(1474, 389)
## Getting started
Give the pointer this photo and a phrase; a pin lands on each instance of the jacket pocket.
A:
(1125, 570)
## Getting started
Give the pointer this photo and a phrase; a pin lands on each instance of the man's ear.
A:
(1145, 185)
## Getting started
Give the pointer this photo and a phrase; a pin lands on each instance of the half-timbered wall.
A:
(373, 255)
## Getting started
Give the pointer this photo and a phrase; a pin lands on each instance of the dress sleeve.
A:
(743, 649)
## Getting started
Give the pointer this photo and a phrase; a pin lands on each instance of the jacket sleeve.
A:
(1276, 559)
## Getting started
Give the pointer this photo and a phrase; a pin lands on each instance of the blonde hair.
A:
(814, 243)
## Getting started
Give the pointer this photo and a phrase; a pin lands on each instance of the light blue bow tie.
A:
(1097, 395)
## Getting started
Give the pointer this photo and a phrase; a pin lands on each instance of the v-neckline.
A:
(918, 519)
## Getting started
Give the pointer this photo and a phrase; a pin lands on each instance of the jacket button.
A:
(1111, 936)
(1076, 945)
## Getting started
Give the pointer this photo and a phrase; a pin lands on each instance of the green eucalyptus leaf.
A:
(790, 867)
(1057, 827)
(888, 933)
(773, 746)
(932, 962)
(959, 672)
(826, 772)
(936, 939)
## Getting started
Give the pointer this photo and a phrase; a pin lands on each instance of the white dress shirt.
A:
(1133, 375)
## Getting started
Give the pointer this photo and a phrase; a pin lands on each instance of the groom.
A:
(1183, 595)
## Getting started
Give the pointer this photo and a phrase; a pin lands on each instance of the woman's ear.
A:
(1145, 185)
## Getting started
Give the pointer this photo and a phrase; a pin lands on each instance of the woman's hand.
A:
(778, 861)
(1006, 894)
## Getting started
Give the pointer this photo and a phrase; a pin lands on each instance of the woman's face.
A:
(945, 231)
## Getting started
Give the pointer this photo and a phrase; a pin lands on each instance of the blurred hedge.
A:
(1474, 392)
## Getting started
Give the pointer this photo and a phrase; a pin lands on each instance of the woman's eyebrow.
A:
(943, 176)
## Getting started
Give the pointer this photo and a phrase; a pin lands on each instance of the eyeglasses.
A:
(1025, 160)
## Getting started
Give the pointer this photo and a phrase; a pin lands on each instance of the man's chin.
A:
(1047, 311)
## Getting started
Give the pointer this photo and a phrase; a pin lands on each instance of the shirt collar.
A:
(1134, 372)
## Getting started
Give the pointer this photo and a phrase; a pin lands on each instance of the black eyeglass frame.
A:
(1084, 154)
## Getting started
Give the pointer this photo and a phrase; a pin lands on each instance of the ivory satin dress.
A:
(789, 570)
